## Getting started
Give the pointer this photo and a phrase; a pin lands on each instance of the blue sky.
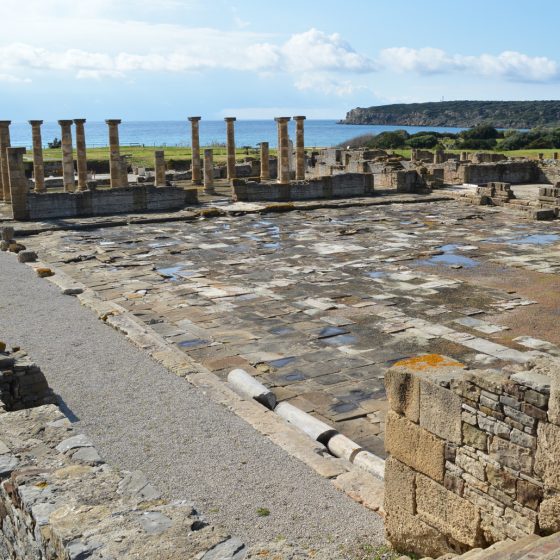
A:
(167, 59)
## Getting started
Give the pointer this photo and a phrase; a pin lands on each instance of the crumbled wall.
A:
(473, 456)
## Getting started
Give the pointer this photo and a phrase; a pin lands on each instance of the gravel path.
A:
(140, 416)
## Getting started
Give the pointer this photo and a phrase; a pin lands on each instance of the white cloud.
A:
(11, 79)
(510, 65)
(327, 84)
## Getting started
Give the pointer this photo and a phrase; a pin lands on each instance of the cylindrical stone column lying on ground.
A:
(18, 182)
(300, 149)
(38, 164)
(283, 150)
(115, 163)
(160, 168)
(81, 154)
(4, 178)
(230, 137)
(247, 385)
(317, 430)
(265, 169)
(195, 142)
(67, 155)
(209, 172)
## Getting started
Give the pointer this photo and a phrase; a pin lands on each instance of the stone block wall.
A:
(22, 383)
(336, 186)
(139, 198)
(474, 456)
(514, 172)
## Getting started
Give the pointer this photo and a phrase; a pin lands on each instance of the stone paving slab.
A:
(318, 304)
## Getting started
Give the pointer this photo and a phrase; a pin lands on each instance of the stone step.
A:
(546, 548)
(509, 550)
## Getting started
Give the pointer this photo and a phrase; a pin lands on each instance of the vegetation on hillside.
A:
(482, 137)
(461, 114)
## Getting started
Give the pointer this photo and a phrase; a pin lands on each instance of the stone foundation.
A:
(122, 200)
(336, 186)
(473, 456)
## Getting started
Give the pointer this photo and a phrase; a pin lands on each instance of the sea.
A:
(320, 133)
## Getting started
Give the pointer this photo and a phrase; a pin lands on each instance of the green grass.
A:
(263, 512)
(406, 152)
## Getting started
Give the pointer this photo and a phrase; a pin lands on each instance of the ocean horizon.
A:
(323, 133)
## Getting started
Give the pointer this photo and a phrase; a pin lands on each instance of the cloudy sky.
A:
(167, 59)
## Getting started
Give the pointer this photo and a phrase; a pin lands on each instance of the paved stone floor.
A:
(318, 304)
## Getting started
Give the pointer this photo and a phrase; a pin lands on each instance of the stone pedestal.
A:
(230, 137)
(283, 150)
(81, 154)
(209, 172)
(195, 142)
(160, 168)
(300, 149)
(4, 178)
(17, 182)
(115, 162)
(265, 170)
(38, 164)
(67, 155)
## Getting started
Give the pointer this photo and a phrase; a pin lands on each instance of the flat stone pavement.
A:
(140, 416)
(319, 303)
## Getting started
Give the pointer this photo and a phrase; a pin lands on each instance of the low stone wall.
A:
(514, 172)
(22, 383)
(336, 186)
(139, 198)
(473, 456)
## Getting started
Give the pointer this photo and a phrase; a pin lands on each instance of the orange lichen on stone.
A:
(426, 361)
(44, 272)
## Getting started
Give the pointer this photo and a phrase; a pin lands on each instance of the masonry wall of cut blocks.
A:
(473, 457)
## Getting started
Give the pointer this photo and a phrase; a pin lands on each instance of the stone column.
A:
(209, 172)
(115, 163)
(300, 149)
(283, 150)
(67, 156)
(265, 170)
(18, 182)
(230, 147)
(160, 168)
(81, 154)
(38, 164)
(555, 155)
(4, 178)
(195, 143)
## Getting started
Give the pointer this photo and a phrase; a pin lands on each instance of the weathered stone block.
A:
(547, 463)
(470, 465)
(549, 515)
(446, 511)
(501, 479)
(399, 486)
(474, 437)
(440, 411)
(414, 446)
(511, 455)
(528, 494)
(403, 392)
(410, 534)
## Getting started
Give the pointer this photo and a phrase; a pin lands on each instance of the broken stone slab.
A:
(136, 485)
(7, 464)
(246, 384)
(73, 442)
(87, 455)
(536, 381)
(317, 430)
(230, 549)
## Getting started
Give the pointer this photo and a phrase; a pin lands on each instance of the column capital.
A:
(17, 150)
(194, 119)
(5, 123)
(282, 119)
(35, 123)
(113, 122)
(65, 122)
(79, 121)
(230, 119)
(299, 118)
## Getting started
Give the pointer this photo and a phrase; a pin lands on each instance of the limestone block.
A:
(549, 515)
(511, 455)
(403, 392)
(440, 411)
(474, 437)
(407, 533)
(415, 446)
(501, 479)
(547, 463)
(528, 494)
(447, 512)
(399, 487)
